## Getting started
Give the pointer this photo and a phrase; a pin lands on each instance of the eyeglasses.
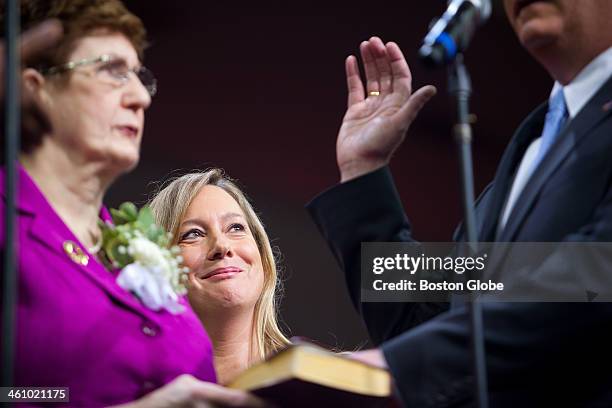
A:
(113, 69)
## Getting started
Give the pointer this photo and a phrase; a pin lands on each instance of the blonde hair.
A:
(169, 206)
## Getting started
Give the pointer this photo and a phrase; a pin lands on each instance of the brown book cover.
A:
(305, 375)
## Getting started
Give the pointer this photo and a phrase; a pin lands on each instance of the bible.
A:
(306, 375)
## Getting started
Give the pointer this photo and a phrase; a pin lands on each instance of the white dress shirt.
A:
(577, 94)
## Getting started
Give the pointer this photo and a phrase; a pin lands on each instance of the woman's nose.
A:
(136, 96)
(219, 249)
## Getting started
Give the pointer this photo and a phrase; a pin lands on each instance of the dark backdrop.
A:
(259, 90)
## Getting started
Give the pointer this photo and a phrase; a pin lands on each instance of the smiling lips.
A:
(223, 273)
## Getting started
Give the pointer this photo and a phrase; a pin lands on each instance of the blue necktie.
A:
(555, 119)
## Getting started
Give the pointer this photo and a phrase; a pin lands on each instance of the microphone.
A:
(451, 34)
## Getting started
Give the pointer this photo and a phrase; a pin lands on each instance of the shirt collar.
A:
(578, 92)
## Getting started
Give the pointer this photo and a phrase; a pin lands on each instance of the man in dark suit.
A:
(554, 184)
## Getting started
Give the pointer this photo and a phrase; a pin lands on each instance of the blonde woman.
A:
(233, 279)
(77, 326)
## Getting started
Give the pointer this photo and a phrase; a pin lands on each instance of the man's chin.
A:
(537, 37)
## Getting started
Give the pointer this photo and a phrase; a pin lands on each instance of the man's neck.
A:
(565, 62)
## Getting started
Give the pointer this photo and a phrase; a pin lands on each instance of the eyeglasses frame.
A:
(71, 65)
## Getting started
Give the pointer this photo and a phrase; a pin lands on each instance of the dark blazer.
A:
(538, 354)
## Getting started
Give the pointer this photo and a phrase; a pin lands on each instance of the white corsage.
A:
(150, 268)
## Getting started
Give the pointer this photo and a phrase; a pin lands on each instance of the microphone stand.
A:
(460, 87)
(12, 122)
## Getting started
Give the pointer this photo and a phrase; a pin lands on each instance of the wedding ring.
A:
(373, 93)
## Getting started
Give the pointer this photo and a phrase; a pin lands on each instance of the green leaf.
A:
(111, 248)
(122, 259)
(129, 210)
(155, 234)
(119, 217)
(107, 235)
(145, 219)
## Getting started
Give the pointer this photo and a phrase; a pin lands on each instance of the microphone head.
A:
(484, 9)
(452, 33)
(432, 56)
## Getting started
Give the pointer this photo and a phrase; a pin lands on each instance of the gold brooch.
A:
(75, 253)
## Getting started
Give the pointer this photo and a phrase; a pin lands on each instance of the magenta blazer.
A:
(77, 328)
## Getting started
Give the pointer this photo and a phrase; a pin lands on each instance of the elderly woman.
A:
(76, 327)
(233, 280)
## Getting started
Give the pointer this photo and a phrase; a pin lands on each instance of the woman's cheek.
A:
(190, 256)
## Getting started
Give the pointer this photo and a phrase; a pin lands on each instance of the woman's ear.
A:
(32, 80)
(34, 122)
(33, 87)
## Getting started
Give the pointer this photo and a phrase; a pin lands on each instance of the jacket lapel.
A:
(589, 117)
(525, 134)
(48, 234)
(49, 230)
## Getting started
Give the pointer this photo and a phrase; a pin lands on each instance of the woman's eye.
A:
(192, 234)
(116, 69)
(236, 227)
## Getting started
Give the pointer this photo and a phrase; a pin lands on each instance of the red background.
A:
(259, 90)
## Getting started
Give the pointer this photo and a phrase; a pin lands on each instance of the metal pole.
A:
(461, 88)
(11, 133)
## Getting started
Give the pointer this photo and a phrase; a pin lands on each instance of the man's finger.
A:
(411, 109)
(369, 66)
(353, 81)
(382, 65)
(402, 77)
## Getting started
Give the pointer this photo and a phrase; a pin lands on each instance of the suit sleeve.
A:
(533, 349)
(544, 353)
(368, 209)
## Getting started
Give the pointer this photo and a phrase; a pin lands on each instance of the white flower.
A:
(151, 287)
(147, 253)
(153, 276)
(150, 270)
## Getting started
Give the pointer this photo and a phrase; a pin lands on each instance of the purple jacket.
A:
(77, 328)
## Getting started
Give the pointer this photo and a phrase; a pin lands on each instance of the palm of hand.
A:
(374, 126)
(371, 128)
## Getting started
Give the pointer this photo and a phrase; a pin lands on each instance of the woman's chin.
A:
(124, 161)
(131, 165)
(226, 303)
(228, 300)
